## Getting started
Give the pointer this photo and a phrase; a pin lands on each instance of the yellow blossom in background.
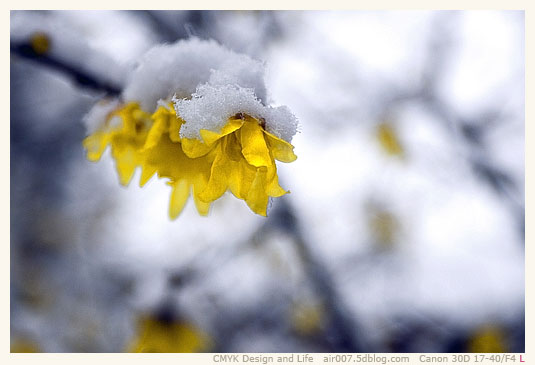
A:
(40, 43)
(487, 339)
(242, 156)
(22, 345)
(307, 318)
(384, 227)
(388, 139)
(155, 335)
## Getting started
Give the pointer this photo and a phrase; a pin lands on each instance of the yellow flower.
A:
(307, 318)
(197, 147)
(24, 345)
(40, 43)
(156, 335)
(163, 153)
(488, 339)
(126, 139)
(242, 156)
(388, 139)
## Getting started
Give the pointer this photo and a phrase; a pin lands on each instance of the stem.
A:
(80, 77)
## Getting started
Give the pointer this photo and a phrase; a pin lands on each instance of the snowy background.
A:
(403, 232)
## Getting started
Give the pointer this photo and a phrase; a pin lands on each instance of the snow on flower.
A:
(230, 127)
(221, 135)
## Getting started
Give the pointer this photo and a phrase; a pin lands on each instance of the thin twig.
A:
(80, 77)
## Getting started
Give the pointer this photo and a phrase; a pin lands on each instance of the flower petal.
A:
(210, 137)
(147, 171)
(179, 196)
(241, 178)
(194, 148)
(159, 127)
(135, 121)
(254, 146)
(272, 183)
(126, 161)
(282, 150)
(257, 199)
(202, 207)
(199, 184)
(218, 183)
(95, 145)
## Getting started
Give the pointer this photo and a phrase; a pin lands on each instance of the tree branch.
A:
(80, 77)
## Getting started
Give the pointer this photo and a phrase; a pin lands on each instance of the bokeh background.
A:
(403, 232)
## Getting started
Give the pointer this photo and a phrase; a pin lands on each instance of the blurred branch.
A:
(342, 333)
(80, 77)
(471, 131)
